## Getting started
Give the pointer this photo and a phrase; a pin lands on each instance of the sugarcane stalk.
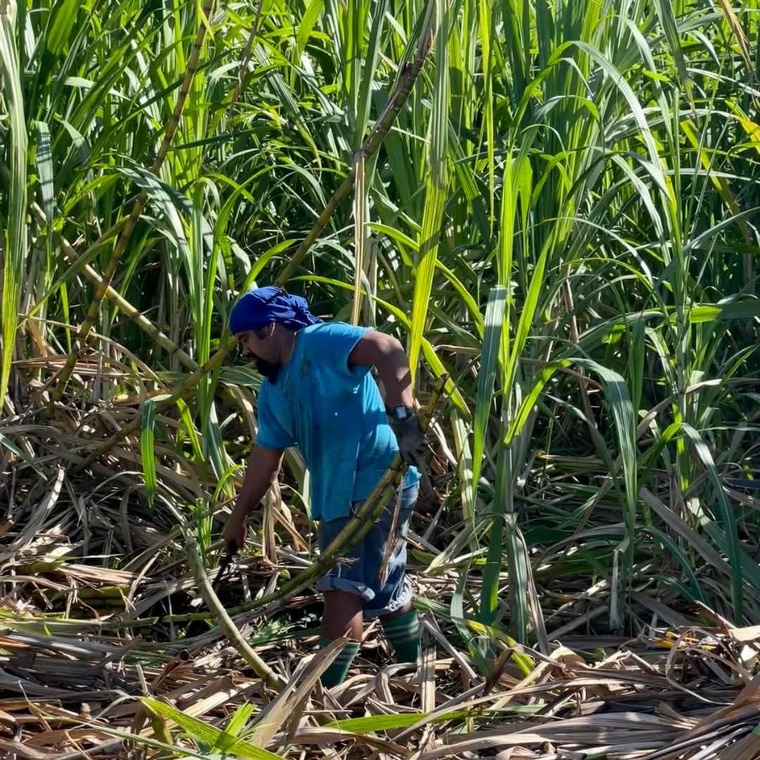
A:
(370, 144)
(357, 527)
(228, 627)
(184, 389)
(125, 307)
(113, 295)
(246, 57)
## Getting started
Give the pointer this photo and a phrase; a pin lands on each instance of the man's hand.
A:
(413, 446)
(235, 531)
(412, 441)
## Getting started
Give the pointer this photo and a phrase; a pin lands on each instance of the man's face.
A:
(260, 346)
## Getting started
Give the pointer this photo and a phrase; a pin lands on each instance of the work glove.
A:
(412, 441)
(413, 446)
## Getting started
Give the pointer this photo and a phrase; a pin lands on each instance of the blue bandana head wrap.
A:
(257, 308)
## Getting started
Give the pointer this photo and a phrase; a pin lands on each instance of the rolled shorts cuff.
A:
(401, 599)
(336, 583)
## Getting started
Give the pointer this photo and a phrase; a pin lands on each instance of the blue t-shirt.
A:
(334, 414)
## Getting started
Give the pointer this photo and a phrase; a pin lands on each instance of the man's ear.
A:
(265, 332)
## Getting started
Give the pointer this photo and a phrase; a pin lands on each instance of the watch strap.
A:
(401, 413)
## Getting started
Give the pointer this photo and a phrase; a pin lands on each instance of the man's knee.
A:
(342, 615)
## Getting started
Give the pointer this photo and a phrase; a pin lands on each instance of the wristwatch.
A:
(401, 413)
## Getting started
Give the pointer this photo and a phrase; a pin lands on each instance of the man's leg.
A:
(344, 594)
(402, 629)
(342, 616)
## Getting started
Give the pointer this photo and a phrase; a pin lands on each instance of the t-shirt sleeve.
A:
(271, 434)
(333, 343)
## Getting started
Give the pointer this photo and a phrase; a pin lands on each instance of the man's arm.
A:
(261, 472)
(387, 354)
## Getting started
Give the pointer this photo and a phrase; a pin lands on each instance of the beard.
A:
(269, 370)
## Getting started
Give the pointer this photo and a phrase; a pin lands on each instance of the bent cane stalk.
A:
(113, 295)
(183, 389)
(139, 205)
(110, 293)
(228, 627)
(355, 530)
(357, 527)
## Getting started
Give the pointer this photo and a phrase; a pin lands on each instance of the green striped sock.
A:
(403, 633)
(338, 670)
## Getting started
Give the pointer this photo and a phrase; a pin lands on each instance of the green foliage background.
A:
(563, 218)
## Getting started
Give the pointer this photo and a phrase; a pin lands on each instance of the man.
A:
(319, 395)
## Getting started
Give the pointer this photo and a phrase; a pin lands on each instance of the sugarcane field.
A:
(380, 380)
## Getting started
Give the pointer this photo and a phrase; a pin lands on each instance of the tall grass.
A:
(560, 217)
(14, 241)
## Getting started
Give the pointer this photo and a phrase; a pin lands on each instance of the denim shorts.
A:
(359, 571)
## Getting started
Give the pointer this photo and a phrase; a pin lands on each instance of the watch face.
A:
(401, 413)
